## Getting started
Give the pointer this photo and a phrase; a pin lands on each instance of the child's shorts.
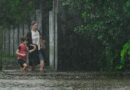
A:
(21, 62)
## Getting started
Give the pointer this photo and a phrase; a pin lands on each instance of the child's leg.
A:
(25, 66)
(20, 62)
(21, 69)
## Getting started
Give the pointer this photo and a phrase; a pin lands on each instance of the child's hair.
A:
(23, 39)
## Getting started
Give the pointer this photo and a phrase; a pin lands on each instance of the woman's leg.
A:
(31, 61)
(41, 61)
(32, 68)
(41, 65)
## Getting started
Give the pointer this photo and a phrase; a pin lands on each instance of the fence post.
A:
(1, 60)
(55, 11)
(1, 51)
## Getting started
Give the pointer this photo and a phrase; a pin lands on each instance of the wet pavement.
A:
(14, 80)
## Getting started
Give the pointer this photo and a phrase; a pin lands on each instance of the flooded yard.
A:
(62, 81)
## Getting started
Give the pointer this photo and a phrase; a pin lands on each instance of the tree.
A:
(15, 11)
(102, 24)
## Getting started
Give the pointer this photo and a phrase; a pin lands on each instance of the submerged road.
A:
(61, 81)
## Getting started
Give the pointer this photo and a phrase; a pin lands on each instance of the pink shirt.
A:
(22, 50)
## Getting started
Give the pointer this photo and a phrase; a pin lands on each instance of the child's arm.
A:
(17, 52)
(34, 48)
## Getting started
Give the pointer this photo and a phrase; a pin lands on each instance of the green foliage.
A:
(127, 7)
(105, 22)
(15, 11)
(125, 51)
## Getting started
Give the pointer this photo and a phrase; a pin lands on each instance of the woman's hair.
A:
(33, 22)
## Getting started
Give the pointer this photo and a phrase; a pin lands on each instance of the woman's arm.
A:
(42, 43)
(42, 40)
(34, 48)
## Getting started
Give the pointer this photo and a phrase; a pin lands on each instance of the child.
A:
(22, 53)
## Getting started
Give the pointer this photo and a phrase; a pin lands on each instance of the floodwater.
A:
(64, 84)
(52, 82)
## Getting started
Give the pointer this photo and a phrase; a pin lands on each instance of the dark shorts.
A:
(21, 62)
(36, 56)
(33, 57)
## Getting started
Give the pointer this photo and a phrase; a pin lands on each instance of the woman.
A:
(34, 37)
